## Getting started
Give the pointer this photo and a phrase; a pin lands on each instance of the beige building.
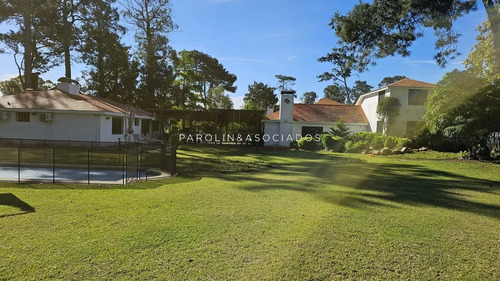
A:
(411, 94)
(296, 120)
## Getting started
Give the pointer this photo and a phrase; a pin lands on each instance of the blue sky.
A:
(256, 39)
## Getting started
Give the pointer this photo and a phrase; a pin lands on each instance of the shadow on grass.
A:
(9, 199)
(376, 184)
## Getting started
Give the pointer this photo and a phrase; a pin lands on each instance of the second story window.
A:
(417, 96)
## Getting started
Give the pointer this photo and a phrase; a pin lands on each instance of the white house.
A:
(411, 94)
(296, 120)
(293, 121)
(66, 114)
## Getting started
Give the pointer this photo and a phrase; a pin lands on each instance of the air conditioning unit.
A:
(4, 115)
(45, 117)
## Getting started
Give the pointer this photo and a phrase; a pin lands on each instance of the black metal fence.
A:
(24, 160)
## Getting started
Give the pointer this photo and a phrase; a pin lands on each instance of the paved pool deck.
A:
(68, 175)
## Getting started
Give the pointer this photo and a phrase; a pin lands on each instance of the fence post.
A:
(53, 164)
(124, 168)
(88, 166)
(147, 160)
(19, 164)
(173, 162)
(44, 148)
(139, 163)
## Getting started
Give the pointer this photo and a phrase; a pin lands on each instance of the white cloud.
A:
(7, 76)
(238, 102)
(422, 61)
(249, 60)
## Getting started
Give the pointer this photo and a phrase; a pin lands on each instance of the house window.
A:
(313, 131)
(381, 95)
(412, 128)
(417, 96)
(117, 126)
(137, 122)
(22, 116)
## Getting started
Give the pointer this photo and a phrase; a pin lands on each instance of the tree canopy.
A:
(14, 86)
(481, 59)
(390, 79)
(285, 82)
(360, 87)
(260, 95)
(335, 92)
(202, 73)
(389, 27)
(309, 97)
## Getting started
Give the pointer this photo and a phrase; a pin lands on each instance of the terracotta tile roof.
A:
(406, 83)
(327, 101)
(59, 100)
(411, 83)
(325, 113)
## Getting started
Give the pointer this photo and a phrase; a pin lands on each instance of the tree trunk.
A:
(100, 69)
(347, 92)
(28, 61)
(494, 20)
(66, 40)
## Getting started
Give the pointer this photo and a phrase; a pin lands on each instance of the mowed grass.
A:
(240, 214)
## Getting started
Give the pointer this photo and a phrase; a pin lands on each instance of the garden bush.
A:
(368, 140)
(326, 141)
(333, 143)
(294, 144)
(404, 142)
(356, 147)
(308, 143)
(436, 141)
(391, 142)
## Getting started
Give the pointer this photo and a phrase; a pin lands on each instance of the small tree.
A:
(261, 94)
(285, 82)
(335, 92)
(309, 97)
(388, 110)
(390, 79)
(341, 129)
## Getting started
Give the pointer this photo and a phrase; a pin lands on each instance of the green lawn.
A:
(262, 215)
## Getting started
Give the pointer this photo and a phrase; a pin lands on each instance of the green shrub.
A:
(333, 143)
(404, 142)
(294, 144)
(378, 141)
(364, 140)
(435, 141)
(356, 147)
(338, 144)
(391, 142)
(308, 143)
(326, 141)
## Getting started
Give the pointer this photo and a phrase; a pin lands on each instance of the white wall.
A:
(84, 127)
(64, 126)
(406, 113)
(271, 128)
(369, 106)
